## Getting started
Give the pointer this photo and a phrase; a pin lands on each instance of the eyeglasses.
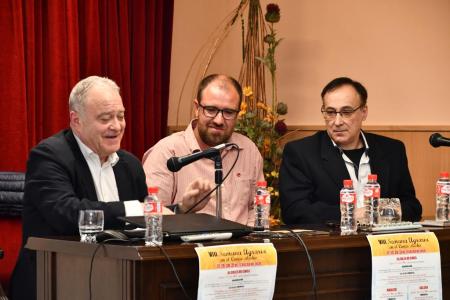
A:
(346, 113)
(212, 111)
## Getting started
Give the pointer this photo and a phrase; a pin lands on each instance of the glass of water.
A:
(90, 222)
(390, 210)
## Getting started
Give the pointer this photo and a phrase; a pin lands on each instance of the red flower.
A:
(280, 127)
(273, 13)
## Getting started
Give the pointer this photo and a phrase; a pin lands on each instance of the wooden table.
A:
(342, 266)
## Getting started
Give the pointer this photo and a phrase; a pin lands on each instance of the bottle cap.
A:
(152, 190)
(372, 177)
(348, 183)
(443, 175)
(261, 184)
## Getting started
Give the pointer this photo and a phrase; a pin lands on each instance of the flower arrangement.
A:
(259, 121)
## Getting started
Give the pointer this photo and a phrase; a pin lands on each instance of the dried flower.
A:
(273, 13)
(268, 118)
(261, 105)
(260, 121)
(267, 144)
(282, 108)
(243, 110)
(269, 39)
(280, 127)
(274, 221)
(247, 91)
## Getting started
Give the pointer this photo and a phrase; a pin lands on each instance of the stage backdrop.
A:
(47, 46)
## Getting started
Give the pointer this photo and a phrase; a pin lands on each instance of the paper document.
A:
(238, 271)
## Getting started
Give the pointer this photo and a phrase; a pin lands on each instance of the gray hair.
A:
(79, 91)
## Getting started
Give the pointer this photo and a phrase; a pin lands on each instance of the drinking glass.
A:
(90, 222)
(390, 210)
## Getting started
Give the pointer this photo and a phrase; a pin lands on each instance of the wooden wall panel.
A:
(425, 162)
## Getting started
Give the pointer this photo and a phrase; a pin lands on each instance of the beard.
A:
(213, 139)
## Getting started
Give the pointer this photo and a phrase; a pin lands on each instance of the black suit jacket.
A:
(58, 184)
(312, 172)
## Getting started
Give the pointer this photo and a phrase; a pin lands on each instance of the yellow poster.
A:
(406, 266)
(238, 271)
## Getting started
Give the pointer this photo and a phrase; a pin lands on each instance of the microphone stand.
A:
(218, 181)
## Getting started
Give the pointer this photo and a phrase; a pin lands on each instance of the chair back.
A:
(11, 205)
(11, 193)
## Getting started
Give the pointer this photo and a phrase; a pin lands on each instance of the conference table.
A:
(342, 267)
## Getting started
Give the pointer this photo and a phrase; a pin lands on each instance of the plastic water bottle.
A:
(442, 197)
(153, 218)
(372, 192)
(348, 204)
(262, 206)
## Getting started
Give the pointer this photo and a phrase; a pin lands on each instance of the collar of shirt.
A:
(363, 170)
(192, 142)
(102, 174)
(364, 140)
(92, 156)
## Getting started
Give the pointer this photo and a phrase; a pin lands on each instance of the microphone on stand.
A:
(174, 164)
(437, 140)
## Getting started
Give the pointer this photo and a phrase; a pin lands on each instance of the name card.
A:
(406, 266)
(237, 271)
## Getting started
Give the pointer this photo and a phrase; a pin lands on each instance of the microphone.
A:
(174, 164)
(437, 140)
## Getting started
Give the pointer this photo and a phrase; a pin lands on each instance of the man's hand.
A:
(196, 190)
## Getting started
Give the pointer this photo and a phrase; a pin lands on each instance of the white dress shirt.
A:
(363, 171)
(105, 180)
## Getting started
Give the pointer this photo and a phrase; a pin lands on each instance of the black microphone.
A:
(437, 140)
(174, 164)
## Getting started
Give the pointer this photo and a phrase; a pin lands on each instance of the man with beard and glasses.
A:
(216, 110)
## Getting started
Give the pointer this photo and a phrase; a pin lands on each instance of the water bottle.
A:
(371, 199)
(442, 197)
(262, 206)
(348, 204)
(153, 218)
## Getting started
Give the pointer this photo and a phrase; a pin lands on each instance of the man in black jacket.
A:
(82, 168)
(313, 168)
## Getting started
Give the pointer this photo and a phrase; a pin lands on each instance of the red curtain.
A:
(49, 45)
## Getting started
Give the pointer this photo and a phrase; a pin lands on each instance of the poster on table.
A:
(406, 266)
(239, 271)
